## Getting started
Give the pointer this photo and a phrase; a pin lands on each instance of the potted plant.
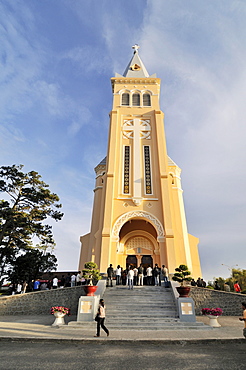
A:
(59, 312)
(213, 314)
(92, 274)
(182, 276)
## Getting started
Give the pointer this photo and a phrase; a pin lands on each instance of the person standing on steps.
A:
(101, 318)
(156, 273)
(130, 277)
(110, 272)
(149, 275)
(140, 274)
(135, 278)
(118, 275)
(164, 272)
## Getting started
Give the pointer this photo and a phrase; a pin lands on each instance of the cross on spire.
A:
(135, 47)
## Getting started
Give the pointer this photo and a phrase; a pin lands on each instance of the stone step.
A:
(141, 327)
(129, 325)
(142, 318)
(141, 313)
(144, 308)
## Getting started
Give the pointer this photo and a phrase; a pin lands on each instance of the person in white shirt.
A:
(55, 283)
(149, 275)
(118, 275)
(73, 280)
(79, 278)
(101, 314)
(19, 288)
(130, 278)
(135, 278)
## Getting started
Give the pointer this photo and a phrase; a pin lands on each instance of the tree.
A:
(91, 273)
(31, 266)
(26, 205)
(236, 275)
(182, 274)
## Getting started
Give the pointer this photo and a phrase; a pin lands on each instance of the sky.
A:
(56, 61)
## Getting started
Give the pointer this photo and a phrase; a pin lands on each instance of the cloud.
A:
(199, 53)
(88, 59)
(56, 62)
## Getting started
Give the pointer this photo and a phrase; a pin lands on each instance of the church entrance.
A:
(131, 261)
(146, 261)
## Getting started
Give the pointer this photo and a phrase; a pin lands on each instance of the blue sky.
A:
(56, 60)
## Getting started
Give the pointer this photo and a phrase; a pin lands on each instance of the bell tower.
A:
(138, 213)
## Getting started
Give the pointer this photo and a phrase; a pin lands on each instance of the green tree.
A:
(240, 276)
(236, 275)
(26, 204)
(31, 265)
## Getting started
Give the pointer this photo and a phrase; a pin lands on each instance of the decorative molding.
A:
(129, 128)
(136, 214)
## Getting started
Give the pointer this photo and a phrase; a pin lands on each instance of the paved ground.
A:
(30, 342)
(131, 356)
(39, 327)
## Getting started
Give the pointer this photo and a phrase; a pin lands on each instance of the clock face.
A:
(135, 67)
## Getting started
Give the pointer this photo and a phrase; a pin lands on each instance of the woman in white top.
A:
(101, 317)
(118, 275)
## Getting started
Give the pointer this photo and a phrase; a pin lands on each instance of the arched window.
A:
(136, 99)
(125, 99)
(146, 100)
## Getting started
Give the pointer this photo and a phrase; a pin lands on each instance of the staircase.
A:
(143, 308)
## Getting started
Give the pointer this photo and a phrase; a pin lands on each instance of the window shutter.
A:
(125, 99)
(146, 100)
(136, 99)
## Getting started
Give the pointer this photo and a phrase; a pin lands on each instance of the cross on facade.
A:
(137, 129)
(85, 307)
(186, 308)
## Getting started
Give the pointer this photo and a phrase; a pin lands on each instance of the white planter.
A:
(213, 321)
(59, 319)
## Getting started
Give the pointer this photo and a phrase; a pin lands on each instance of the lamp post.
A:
(230, 268)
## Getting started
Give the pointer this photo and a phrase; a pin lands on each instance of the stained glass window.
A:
(126, 169)
(148, 186)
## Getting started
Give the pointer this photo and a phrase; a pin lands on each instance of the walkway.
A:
(39, 328)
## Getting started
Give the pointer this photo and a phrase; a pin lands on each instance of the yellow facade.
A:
(138, 212)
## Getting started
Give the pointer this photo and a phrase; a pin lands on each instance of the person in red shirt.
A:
(237, 287)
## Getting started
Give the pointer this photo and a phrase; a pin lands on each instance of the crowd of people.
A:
(200, 283)
(138, 276)
(69, 280)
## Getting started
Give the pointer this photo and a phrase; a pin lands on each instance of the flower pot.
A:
(59, 318)
(90, 289)
(183, 291)
(213, 321)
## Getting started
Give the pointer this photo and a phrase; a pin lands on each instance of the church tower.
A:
(138, 212)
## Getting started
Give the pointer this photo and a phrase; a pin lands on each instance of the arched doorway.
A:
(131, 261)
(147, 261)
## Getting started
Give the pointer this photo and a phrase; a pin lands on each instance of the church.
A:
(138, 212)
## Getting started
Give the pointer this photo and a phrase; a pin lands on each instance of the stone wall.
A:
(39, 303)
(230, 303)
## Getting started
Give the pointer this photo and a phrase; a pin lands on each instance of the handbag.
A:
(97, 317)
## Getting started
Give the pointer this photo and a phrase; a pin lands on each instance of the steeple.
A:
(138, 214)
(135, 68)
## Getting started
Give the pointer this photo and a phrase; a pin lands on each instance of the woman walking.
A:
(101, 317)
